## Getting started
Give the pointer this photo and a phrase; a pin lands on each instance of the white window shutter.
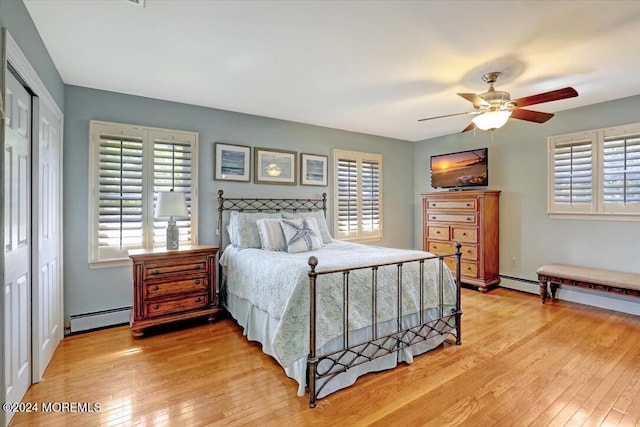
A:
(358, 207)
(621, 172)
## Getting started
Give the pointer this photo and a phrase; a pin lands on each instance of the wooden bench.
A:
(584, 277)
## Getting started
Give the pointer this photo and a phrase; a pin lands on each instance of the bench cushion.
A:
(592, 275)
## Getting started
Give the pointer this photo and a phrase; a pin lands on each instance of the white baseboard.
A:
(606, 300)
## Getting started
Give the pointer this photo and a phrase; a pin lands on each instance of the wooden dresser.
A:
(170, 286)
(472, 219)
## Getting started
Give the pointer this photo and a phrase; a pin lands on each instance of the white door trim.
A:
(22, 65)
(13, 54)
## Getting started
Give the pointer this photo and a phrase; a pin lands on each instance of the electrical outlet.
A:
(513, 262)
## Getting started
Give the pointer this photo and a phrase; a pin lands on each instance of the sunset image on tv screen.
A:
(467, 168)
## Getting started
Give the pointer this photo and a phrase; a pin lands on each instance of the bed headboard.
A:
(245, 204)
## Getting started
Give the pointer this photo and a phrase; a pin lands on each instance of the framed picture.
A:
(274, 166)
(313, 169)
(232, 162)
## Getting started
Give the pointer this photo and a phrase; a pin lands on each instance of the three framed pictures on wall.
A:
(270, 166)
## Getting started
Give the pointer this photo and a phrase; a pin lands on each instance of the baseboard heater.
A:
(519, 279)
(98, 320)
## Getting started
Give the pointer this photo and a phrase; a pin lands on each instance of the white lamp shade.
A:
(170, 204)
(491, 119)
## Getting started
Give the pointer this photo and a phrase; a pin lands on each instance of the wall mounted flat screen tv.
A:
(459, 170)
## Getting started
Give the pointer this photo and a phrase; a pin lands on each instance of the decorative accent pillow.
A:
(271, 234)
(320, 220)
(245, 229)
(302, 234)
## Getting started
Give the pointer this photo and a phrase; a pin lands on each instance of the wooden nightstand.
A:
(169, 286)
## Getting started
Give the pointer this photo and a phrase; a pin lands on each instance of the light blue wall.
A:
(518, 167)
(16, 19)
(89, 290)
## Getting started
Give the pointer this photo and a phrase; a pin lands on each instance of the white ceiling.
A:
(366, 66)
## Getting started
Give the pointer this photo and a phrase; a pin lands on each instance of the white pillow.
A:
(271, 235)
(320, 220)
(230, 234)
(301, 234)
(245, 230)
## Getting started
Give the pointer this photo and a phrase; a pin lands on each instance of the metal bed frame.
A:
(331, 364)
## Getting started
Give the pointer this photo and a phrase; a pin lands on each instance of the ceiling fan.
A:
(494, 107)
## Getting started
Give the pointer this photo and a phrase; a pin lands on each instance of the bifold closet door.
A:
(17, 244)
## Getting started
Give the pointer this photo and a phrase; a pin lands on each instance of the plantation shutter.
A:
(370, 197)
(347, 198)
(621, 170)
(358, 195)
(129, 165)
(172, 169)
(595, 174)
(120, 191)
(573, 175)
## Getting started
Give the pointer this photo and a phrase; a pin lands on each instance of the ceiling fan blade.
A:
(473, 98)
(530, 115)
(468, 128)
(554, 95)
(446, 115)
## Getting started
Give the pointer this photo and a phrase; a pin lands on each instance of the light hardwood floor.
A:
(520, 363)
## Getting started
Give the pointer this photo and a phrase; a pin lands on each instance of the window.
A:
(358, 207)
(129, 165)
(596, 174)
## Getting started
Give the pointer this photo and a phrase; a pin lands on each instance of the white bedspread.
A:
(278, 283)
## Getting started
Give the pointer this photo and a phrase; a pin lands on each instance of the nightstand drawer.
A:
(158, 270)
(153, 290)
(160, 308)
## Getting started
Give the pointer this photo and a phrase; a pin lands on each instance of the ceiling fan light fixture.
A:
(491, 119)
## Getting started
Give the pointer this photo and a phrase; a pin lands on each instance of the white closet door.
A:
(17, 244)
(47, 274)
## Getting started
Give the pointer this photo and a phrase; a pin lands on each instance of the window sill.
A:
(122, 262)
(595, 216)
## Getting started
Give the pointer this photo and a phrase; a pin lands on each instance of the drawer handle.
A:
(468, 268)
(197, 267)
(468, 218)
(468, 251)
(433, 217)
(464, 234)
(438, 232)
(198, 299)
(156, 271)
(468, 204)
(156, 306)
(155, 288)
(198, 282)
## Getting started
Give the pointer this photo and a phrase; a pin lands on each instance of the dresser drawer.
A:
(160, 289)
(468, 204)
(455, 218)
(465, 235)
(469, 252)
(441, 248)
(441, 233)
(160, 308)
(469, 269)
(158, 270)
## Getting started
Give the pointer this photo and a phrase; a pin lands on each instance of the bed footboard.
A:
(446, 322)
